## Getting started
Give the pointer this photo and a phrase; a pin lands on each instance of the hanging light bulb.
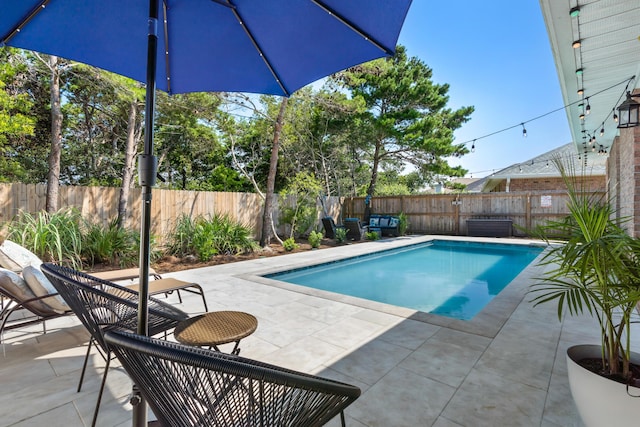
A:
(581, 116)
(524, 131)
(602, 131)
(580, 91)
(473, 146)
(615, 116)
(588, 109)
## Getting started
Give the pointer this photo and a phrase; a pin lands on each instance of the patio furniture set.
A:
(384, 225)
(184, 383)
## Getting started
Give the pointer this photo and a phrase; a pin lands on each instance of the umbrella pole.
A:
(147, 170)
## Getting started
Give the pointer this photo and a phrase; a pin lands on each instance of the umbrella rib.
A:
(257, 47)
(353, 27)
(166, 46)
(224, 3)
(15, 30)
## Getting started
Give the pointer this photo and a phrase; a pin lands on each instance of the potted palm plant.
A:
(596, 270)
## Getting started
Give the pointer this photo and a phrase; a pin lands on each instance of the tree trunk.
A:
(374, 170)
(53, 177)
(267, 217)
(134, 130)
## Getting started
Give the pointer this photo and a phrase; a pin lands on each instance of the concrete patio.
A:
(506, 367)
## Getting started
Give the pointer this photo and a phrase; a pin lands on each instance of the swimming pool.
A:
(448, 278)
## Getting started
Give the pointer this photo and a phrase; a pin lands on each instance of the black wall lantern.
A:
(629, 112)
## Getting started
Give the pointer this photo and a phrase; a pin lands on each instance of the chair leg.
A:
(104, 380)
(342, 418)
(84, 366)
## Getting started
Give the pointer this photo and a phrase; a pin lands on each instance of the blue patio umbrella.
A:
(259, 46)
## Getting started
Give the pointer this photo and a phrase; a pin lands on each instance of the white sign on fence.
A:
(545, 201)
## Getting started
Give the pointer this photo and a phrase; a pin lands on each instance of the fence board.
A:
(448, 213)
(428, 214)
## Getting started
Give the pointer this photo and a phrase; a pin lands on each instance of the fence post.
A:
(456, 215)
(528, 211)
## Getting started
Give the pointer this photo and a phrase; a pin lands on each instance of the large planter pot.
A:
(601, 401)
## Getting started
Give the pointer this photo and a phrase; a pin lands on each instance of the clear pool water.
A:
(454, 279)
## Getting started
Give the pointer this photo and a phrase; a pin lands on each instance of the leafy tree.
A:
(303, 190)
(404, 118)
(191, 153)
(15, 121)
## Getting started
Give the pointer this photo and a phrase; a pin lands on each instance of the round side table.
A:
(216, 328)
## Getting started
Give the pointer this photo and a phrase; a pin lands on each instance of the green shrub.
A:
(290, 244)
(403, 224)
(112, 244)
(315, 238)
(341, 235)
(180, 239)
(372, 235)
(205, 238)
(53, 237)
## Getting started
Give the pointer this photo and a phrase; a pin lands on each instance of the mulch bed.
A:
(171, 263)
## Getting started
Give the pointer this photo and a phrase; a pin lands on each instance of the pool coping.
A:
(487, 322)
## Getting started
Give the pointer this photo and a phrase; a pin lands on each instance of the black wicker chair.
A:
(330, 227)
(355, 229)
(102, 306)
(192, 386)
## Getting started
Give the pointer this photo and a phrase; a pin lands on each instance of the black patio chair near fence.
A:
(330, 227)
(355, 229)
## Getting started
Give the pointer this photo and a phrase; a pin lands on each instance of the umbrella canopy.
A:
(260, 46)
(271, 47)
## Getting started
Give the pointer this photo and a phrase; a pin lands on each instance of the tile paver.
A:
(414, 368)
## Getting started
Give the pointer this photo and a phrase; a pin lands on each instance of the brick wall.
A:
(623, 173)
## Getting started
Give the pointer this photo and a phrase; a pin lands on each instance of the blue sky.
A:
(496, 56)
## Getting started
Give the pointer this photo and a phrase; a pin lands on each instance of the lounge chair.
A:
(19, 296)
(156, 286)
(355, 229)
(102, 306)
(330, 227)
(16, 258)
(191, 386)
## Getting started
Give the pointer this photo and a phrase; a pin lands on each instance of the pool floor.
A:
(449, 278)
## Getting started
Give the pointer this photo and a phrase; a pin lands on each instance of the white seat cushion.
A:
(15, 257)
(41, 286)
(16, 286)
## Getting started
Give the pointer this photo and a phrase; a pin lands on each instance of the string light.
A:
(473, 146)
(602, 131)
(524, 130)
(588, 109)
(564, 107)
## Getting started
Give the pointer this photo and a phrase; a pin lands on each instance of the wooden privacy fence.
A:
(427, 214)
(448, 213)
(100, 205)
